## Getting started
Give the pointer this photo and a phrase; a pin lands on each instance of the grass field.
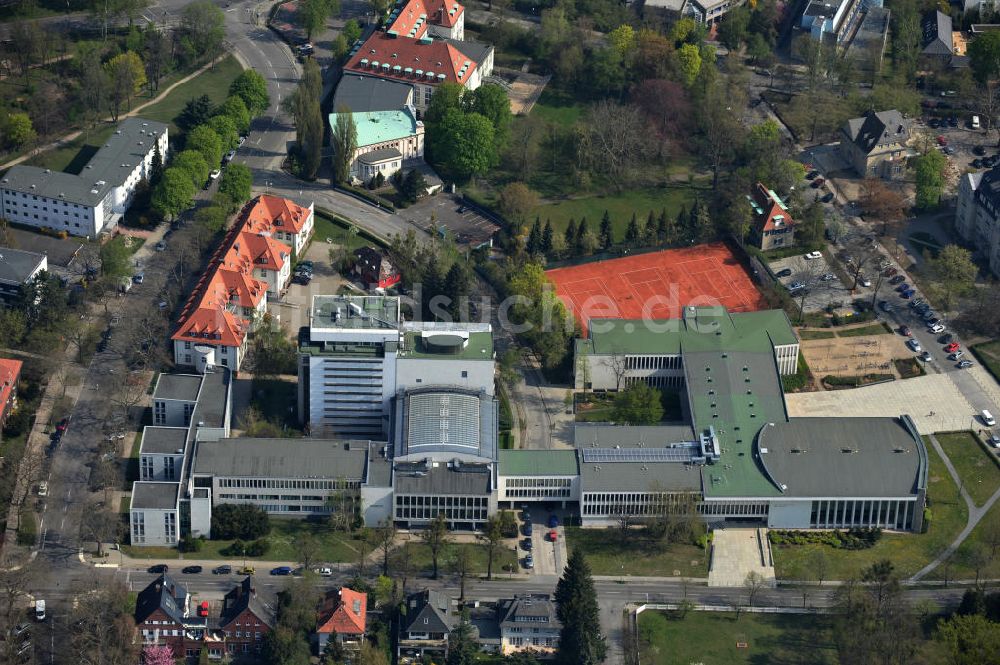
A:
(909, 552)
(419, 556)
(982, 539)
(327, 227)
(980, 475)
(557, 107)
(607, 552)
(989, 354)
(720, 638)
(335, 547)
(620, 207)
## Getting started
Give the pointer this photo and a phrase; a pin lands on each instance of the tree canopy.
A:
(251, 87)
(638, 404)
(581, 641)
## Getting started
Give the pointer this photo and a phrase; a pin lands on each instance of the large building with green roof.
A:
(386, 139)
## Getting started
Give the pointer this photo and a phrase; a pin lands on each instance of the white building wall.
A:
(376, 503)
(172, 412)
(350, 394)
(201, 512)
(154, 527)
(423, 372)
(158, 467)
(40, 211)
(787, 358)
(276, 280)
(518, 489)
(789, 514)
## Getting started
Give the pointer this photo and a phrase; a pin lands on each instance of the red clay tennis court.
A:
(656, 285)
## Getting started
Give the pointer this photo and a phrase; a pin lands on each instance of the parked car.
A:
(826, 198)
(828, 277)
(282, 570)
(214, 174)
(937, 328)
(224, 569)
(553, 521)
(897, 279)
(812, 175)
(158, 569)
(553, 535)
(965, 364)
(929, 314)
(301, 279)
(817, 183)
(979, 151)
(889, 271)
(306, 264)
(906, 295)
(864, 281)
(529, 562)
(945, 339)
(191, 570)
(785, 272)
(160, 246)
(527, 528)
(324, 571)
(952, 347)
(903, 287)
(933, 123)
(795, 286)
(814, 255)
(926, 356)
(885, 306)
(914, 345)
(229, 157)
(905, 331)
(242, 140)
(942, 140)
(246, 570)
(526, 544)
(994, 439)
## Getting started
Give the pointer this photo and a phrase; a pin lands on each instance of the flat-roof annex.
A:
(183, 387)
(248, 457)
(148, 495)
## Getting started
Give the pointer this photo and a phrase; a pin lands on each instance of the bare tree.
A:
(617, 140)
(102, 628)
(100, 525)
(616, 362)
(14, 585)
(307, 549)
(385, 540)
(753, 583)
(492, 540)
(461, 565)
(820, 565)
(435, 536)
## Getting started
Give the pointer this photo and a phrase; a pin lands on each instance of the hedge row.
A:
(374, 199)
(852, 539)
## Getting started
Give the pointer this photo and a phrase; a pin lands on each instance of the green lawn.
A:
(335, 547)
(720, 638)
(419, 556)
(557, 107)
(620, 207)
(214, 83)
(873, 329)
(327, 227)
(73, 156)
(978, 472)
(957, 567)
(909, 552)
(816, 334)
(989, 354)
(276, 400)
(607, 552)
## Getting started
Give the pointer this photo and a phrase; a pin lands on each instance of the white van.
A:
(39, 610)
(988, 418)
(975, 122)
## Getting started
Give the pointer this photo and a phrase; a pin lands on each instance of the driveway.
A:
(293, 308)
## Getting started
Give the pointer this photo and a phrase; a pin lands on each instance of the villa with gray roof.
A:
(875, 145)
(93, 201)
(17, 269)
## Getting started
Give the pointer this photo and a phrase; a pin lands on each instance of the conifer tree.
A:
(580, 640)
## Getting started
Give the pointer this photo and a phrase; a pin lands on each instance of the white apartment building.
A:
(358, 354)
(93, 201)
(978, 212)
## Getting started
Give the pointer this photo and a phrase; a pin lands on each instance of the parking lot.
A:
(469, 228)
(823, 287)
(293, 307)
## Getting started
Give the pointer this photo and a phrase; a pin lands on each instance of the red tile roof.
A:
(439, 12)
(10, 371)
(214, 325)
(273, 211)
(773, 213)
(426, 57)
(253, 250)
(343, 612)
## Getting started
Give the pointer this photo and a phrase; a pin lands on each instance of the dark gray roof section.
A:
(165, 594)
(282, 458)
(182, 387)
(148, 495)
(988, 188)
(875, 128)
(419, 478)
(821, 8)
(107, 169)
(640, 477)
(379, 468)
(212, 399)
(529, 610)
(843, 457)
(474, 51)
(365, 94)
(163, 440)
(242, 597)
(17, 266)
(602, 435)
(433, 606)
(376, 156)
(442, 421)
(937, 38)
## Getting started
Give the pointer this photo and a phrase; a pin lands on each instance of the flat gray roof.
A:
(154, 496)
(363, 94)
(212, 399)
(109, 166)
(376, 156)
(418, 479)
(282, 458)
(17, 266)
(355, 312)
(602, 435)
(163, 440)
(178, 386)
(843, 457)
(379, 468)
(639, 477)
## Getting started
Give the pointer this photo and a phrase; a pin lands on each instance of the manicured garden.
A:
(723, 638)
(609, 552)
(909, 552)
(978, 471)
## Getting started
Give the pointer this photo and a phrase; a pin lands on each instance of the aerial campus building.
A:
(93, 201)
(428, 421)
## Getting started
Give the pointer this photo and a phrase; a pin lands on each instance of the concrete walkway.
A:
(738, 552)
(976, 514)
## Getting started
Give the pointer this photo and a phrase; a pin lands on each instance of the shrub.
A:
(258, 547)
(241, 521)
(368, 196)
(189, 544)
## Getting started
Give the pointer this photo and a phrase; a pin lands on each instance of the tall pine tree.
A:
(580, 640)
(607, 235)
(700, 227)
(462, 645)
(431, 286)
(581, 237)
(663, 228)
(535, 237)
(456, 286)
(681, 224)
(547, 238)
(632, 233)
(570, 237)
(649, 233)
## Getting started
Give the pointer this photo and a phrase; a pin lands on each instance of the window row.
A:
(278, 484)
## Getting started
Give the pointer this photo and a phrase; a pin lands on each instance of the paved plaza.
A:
(738, 552)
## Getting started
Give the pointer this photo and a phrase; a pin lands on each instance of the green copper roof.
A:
(380, 126)
(538, 463)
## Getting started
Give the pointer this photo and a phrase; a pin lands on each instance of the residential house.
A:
(263, 257)
(423, 63)
(528, 623)
(93, 201)
(937, 45)
(342, 618)
(18, 269)
(10, 374)
(977, 218)
(374, 269)
(163, 613)
(875, 145)
(285, 220)
(243, 620)
(429, 619)
(772, 224)
(386, 140)
(435, 18)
